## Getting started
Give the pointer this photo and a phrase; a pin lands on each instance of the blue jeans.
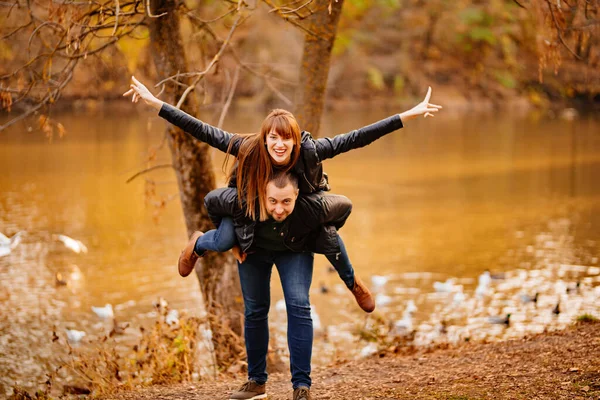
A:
(220, 239)
(295, 271)
(341, 263)
(223, 238)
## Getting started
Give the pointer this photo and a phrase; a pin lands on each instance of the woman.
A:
(280, 146)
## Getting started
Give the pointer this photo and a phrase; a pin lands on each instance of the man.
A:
(295, 229)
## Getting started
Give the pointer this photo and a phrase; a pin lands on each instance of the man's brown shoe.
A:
(363, 296)
(250, 391)
(188, 256)
(302, 393)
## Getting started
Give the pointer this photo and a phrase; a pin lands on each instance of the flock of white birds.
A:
(525, 300)
(7, 245)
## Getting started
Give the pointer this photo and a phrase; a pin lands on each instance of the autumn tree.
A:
(568, 36)
(57, 37)
(318, 21)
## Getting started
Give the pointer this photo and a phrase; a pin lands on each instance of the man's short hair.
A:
(282, 179)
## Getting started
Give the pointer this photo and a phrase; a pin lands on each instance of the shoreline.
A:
(561, 364)
(453, 101)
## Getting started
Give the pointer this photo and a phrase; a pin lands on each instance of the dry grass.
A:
(165, 354)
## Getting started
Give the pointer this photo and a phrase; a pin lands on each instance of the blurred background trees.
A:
(538, 50)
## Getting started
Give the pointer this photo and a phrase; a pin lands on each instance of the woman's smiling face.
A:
(279, 149)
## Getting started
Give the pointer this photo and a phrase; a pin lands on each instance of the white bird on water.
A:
(403, 326)
(444, 287)
(485, 279)
(410, 307)
(368, 350)
(160, 303)
(382, 300)
(74, 336)
(280, 306)
(72, 244)
(481, 290)
(459, 298)
(379, 280)
(105, 312)
(172, 317)
(316, 319)
(8, 244)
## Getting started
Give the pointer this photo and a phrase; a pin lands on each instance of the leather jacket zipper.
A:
(312, 188)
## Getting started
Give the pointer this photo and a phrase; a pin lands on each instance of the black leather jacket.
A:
(312, 226)
(308, 168)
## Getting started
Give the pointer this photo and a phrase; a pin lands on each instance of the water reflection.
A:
(444, 198)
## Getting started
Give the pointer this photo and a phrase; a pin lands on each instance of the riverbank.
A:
(456, 100)
(553, 365)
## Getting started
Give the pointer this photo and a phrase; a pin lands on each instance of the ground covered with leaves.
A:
(555, 365)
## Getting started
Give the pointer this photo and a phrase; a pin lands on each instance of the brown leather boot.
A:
(250, 391)
(302, 393)
(363, 295)
(188, 256)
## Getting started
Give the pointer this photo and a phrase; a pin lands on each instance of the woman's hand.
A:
(424, 108)
(239, 255)
(139, 91)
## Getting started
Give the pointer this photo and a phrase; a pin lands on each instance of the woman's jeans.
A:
(220, 239)
(223, 238)
(341, 263)
(295, 271)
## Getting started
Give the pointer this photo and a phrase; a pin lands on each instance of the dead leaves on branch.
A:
(5, 101)
(50, 128)
(52, 39)
(566, 30)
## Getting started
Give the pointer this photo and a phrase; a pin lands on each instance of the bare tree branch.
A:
(117, 9)
(200, 75)
(295, 11)
(292, 21)
(52, 96)
(148, 170)
(584, 26)
(16, 30)
(236, 75)
(149, 13)
(190, 14)
(558, 30)
(519, 4)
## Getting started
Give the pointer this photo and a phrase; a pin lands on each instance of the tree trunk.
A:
(218, 276)
(314, 69)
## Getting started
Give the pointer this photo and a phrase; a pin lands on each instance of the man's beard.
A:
(280, 218)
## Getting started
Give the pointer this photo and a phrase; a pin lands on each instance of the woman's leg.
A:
(220, 239)
(341, 263)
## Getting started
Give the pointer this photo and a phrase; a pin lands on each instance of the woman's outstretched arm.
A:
(202, 131)
(331, 147)
(138, 91)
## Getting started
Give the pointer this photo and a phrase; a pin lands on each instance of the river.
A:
(444, 198)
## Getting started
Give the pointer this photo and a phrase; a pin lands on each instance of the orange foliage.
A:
(5, 101)
(48, 126)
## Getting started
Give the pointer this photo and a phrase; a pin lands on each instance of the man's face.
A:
(280, 202)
